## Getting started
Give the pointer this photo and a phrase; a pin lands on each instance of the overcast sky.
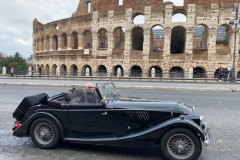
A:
(16, 17)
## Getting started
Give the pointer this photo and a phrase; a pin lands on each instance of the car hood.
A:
(153, 105)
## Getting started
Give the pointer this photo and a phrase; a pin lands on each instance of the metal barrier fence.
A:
(133, 75)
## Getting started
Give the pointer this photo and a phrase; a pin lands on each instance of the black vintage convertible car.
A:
(112, 119)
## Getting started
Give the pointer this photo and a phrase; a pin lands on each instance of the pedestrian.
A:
(32, 71)
(40, 71)
(220, 72)
(12, 71)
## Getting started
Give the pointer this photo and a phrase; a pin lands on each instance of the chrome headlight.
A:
(202, 121)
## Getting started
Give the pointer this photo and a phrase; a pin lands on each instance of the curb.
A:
(126, 87)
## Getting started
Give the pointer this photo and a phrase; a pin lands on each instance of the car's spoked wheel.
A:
(44, 133)
(180, 144)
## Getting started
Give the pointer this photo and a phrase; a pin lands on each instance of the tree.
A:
(15, 61)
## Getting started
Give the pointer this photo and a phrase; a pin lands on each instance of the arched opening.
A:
(87, 38)
(102, 71)
(55, 26)
(102, 38)
(136, 71)
(75, 40)
(157, 39)
(63, 70)
(64, 41)
(155, 71)
(224, 33)
(86, 71)
(118, 71)
(55, 42)
(119, 38)
(74, 70)
(138, 19)
(178, 40)
(238, 75)
(199, 72)
(42, 44)
(176, 72)
(47, 47)
(179, 17)
(54, 69)
(200, 36)
(137, 39)
(47, 70)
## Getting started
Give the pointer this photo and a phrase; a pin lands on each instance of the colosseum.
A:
(139, 38)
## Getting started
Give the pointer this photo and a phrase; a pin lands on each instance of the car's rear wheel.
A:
(180, 144)
(44, 133)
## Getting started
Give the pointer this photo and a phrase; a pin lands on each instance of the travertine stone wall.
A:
(108, 15)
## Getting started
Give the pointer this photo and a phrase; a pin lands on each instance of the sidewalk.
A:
(130, 84)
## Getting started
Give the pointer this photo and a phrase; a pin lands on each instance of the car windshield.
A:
(107, 90)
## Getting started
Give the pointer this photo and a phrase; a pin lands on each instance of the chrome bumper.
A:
(206, 142)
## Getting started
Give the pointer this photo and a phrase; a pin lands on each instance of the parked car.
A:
(112, 120)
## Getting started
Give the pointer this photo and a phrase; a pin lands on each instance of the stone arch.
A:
(47, 47)
(86, 70)
(138, 18)
(238, 75)
(37, 45)
(157, 38)
(137, 38)
(63, 70)
(119, 38)
(55, 42)
(87, 39)
(199, 72)
(42, 44)
(74, 70)
(47, 70)
(178, 40)
(223, 35)
(75, 40)
(136, 71)
(179, 17)
(200, 37)
(54, 69)
(157, 73)
(115, 71)
(55, 26)
(102, 38)
(64, 40)
(102, 71)
(176, 72)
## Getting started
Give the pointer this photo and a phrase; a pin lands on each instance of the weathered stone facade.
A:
(104, 39)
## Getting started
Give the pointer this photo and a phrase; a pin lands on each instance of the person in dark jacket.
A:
(90, 94)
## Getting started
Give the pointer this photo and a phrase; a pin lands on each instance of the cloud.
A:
(24, 42)
(16, 21)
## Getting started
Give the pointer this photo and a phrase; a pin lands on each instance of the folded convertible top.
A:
(28, 102)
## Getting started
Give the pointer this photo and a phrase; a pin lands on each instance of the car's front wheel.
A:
(180, 144)
(44, 133)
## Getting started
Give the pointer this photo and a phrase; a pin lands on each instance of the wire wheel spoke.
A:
(44, 133)
(180, 146)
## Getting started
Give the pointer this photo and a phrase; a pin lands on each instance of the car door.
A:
(92, 121)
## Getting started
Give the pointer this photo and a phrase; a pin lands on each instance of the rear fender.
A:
(24, 130)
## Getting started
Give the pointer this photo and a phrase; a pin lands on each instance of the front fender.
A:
(25, 127)
(179, 122)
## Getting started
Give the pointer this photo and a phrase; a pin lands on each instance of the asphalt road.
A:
(221, 110)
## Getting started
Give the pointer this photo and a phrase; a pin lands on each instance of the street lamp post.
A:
(235, 11)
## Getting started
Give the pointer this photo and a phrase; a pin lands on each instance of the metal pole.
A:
(233, 78)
